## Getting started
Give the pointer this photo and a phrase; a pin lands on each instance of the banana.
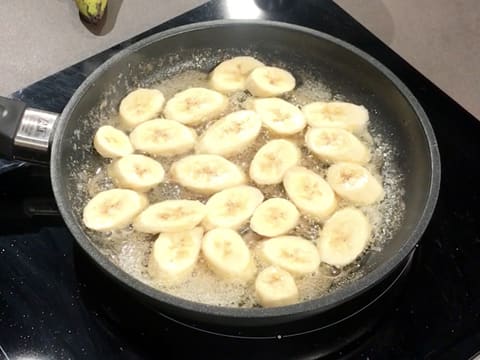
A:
(195, 105)
(231, 134)
(139, 106)
(231, 75)
(333, 145)
(111, 143)
(294, 254)
(174, 256)
(310, 193)
(280, 116)
(354, 183)
(275, 287)
(336, 114)
(231, 208)
(274, 217)
(113, 209)
(163, 137)
(272, 161)
(170, 216)
(206, 174)
(136, 172)
(92, 10)
(344, 236)
(267, 81)
(227, 255)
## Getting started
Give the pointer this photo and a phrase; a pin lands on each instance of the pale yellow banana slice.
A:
(170, 216)
(310, 193)
(354, 183)
(269, 81)
(111, 143)
(275, 287)
(113, 209)
(294, 254)
(280, 116)
(231, 208)
(206, 174)
(227, 255)
(136, 172)
(334, 145)
(336, 114)
(231, 134)
(195, 105)
(139, 106)
(163, 137)
(174, 256)
(344, 237)
(230, 75)
(272, 161)
(274, 217)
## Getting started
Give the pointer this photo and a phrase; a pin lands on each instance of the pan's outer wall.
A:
(347, 70)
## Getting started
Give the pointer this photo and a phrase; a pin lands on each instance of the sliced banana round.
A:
(163, 137)
(344, 236)
(275, 287)
(231, 208)
(309, 192)
(269, 81)
(274, 217)
(336, 114)
(333, 145)
(206, 173)
(231, 134)
(113, 209)
(354, 183)
(195, 105)
(174, 256)
(279, 115)
(272, 161)
(231, 75)
(227, 255)
(170, 216)
(111, 142)
(139, 106)
(294, 254)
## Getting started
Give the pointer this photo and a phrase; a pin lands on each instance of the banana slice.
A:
(227, 255)
(113, 209)
(344, 237)
(354, 183)
(275, 287)
(206, 174)
(231, 134)
(195, 105)
(174, 256)
(163, 137)
(336, 114)
(274, 217)
(272, 161)
(231, 208)
(170, 216)
(136, 172)
(111, 143)
(280, 116)
(231, 75)
(294, 254)
(139, 106)
(269, 81)
(309, 192)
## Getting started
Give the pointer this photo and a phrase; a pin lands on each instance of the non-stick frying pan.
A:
(395, 114)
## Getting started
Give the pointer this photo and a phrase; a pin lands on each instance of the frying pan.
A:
(395, 115)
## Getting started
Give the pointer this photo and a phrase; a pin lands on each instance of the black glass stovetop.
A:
(47, 310)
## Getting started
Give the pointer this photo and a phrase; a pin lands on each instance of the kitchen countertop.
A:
(438, 37)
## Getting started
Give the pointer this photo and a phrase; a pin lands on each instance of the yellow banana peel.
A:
(92, 10)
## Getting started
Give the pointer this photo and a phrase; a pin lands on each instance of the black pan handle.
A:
(25, 133)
